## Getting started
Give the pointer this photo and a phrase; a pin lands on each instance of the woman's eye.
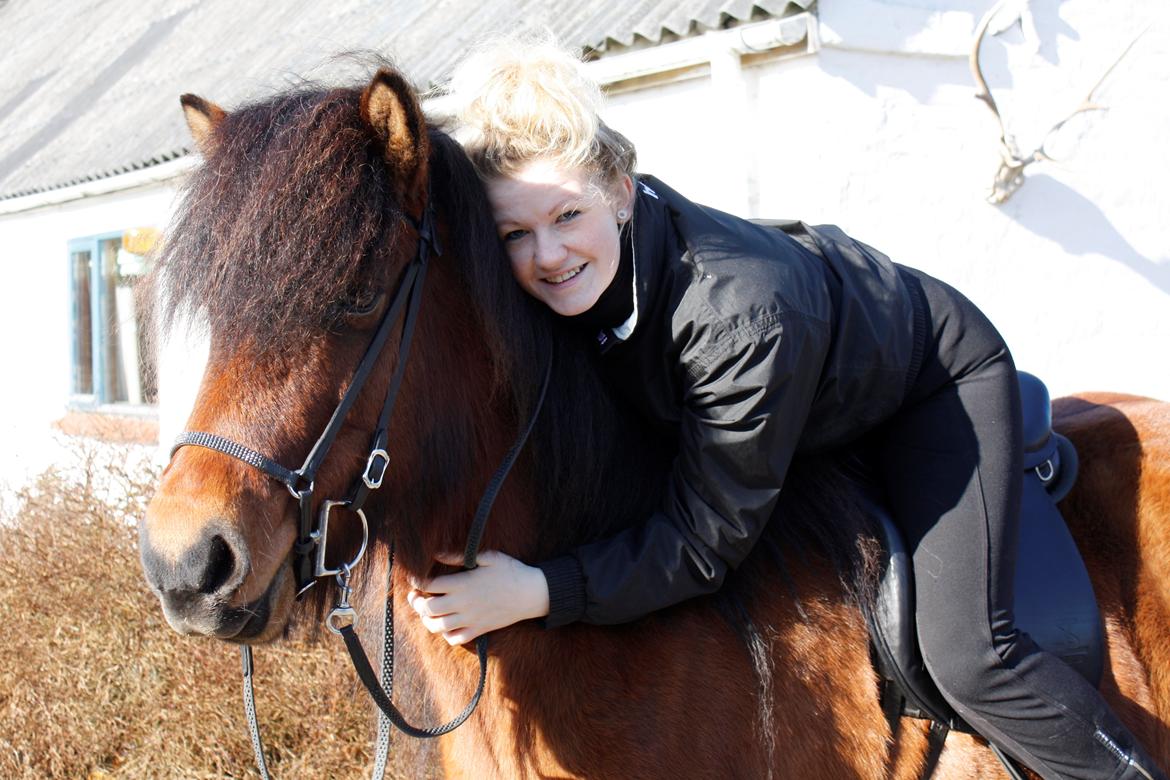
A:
(515, 235)
(568, 215)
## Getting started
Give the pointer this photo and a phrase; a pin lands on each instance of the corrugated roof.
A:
(656, 20)
(90, 88)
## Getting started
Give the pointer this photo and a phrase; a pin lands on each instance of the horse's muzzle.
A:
(197, 585)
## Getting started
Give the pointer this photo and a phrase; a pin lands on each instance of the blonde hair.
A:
(518, 99)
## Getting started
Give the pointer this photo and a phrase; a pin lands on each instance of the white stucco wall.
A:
(878, 132)
(36, 317)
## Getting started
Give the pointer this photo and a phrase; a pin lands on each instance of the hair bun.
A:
(525, 97)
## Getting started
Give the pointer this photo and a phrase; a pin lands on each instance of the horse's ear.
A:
(203, 117)
(392, 111)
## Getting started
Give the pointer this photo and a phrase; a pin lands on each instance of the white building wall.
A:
(36, 317)
(879, 132)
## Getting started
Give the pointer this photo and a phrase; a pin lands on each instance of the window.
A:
(111, 360)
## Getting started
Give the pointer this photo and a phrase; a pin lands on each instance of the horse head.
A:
(291, 240)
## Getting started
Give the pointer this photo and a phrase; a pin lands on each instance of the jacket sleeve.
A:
(747, 397)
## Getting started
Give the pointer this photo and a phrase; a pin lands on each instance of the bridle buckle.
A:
(297, 493)
(372, 481)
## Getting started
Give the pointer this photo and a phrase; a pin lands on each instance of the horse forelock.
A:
(290, 217)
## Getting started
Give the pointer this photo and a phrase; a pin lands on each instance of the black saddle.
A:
(1054, 600)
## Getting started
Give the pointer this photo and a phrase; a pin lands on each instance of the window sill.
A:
(115, 424)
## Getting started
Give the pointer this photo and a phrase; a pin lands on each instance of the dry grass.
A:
(93, 683)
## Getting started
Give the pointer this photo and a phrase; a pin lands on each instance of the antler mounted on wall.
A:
(1010, 175)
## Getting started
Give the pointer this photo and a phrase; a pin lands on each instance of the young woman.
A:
(752, 343)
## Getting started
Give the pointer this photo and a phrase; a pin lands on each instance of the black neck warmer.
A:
(616, 304)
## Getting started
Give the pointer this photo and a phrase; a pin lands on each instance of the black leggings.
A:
(951, 462)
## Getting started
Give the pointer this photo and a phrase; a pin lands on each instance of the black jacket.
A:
(752, 342)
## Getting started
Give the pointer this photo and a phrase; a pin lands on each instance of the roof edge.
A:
(100, 184)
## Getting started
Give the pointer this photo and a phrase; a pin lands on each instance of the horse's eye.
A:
(365, 313)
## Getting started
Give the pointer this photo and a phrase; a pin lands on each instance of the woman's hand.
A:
(461, 606)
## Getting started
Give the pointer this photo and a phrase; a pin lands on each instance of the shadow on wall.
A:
(906, 74)
(1039, 27)
(1049, 28)
(1057, 212)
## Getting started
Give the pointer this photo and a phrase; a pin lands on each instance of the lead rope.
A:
(383, 741)
(250, 711)
(383, 751)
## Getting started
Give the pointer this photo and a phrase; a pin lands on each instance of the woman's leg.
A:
(952, 465)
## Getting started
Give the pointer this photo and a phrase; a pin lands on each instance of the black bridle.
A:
(309, 552)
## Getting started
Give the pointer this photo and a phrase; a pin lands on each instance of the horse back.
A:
(1119, 514)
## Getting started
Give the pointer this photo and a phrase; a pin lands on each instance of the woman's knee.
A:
(963, 664)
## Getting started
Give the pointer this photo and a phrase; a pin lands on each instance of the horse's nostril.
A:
(221, 565)
(206, 567)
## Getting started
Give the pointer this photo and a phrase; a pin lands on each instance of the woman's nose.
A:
(550, 251)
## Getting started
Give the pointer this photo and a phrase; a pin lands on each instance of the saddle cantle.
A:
(1054, 600)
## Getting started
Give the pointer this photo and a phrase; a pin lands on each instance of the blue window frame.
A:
(111, 360)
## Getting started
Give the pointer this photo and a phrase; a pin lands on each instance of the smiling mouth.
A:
(566, 276)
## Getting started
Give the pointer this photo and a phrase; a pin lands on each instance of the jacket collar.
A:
(647, 248)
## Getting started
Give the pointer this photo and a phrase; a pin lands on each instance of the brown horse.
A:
(292, 237)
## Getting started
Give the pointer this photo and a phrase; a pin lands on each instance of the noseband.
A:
(309, 552)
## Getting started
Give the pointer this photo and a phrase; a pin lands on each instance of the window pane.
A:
(82, 263)
(129, 367)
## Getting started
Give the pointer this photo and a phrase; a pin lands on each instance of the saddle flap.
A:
(1055, 603)
(893, 631)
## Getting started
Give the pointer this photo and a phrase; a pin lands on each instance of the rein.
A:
(309, 561)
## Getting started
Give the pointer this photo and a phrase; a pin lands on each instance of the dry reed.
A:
(93, 683)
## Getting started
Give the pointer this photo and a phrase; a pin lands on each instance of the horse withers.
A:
(291, 241)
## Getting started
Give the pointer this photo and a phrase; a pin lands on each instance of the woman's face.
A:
(560, 232)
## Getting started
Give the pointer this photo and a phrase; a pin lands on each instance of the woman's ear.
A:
(625, 201)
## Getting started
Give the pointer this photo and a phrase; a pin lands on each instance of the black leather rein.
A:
(309, 561)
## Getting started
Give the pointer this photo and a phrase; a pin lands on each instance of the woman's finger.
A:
(432, 606)
(459, 636)
(448, 583)
(443, 624)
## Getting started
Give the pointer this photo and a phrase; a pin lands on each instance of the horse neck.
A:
(453, 429)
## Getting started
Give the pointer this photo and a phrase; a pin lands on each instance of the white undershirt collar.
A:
(624, 330)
